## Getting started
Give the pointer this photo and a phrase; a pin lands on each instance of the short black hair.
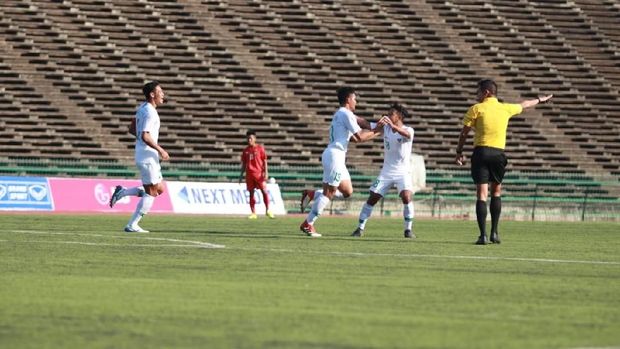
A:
(400, 109)
(148, 88)
(343, 93)
(489, 85)
(250, 133)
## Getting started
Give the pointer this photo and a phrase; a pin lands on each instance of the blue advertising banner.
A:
(25, 193)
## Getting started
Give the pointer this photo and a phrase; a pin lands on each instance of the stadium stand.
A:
(71, 73)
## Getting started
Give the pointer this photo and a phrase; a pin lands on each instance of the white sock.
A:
(144, 206)
(364, 215)
(408, 215)
(319, 192)
(135, 191)
(317, 208)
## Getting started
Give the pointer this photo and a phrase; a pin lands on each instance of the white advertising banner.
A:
(221, 198)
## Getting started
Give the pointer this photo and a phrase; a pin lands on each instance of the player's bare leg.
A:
(307, 195)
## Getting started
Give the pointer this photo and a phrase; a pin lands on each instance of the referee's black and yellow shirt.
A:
(489, 119)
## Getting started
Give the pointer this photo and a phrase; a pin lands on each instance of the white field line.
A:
(191, 243)
(139, 236)
(417, 255)
(107, 244)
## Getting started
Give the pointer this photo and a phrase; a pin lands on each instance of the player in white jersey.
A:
(396, 171)
(145, 127)
(345, 127)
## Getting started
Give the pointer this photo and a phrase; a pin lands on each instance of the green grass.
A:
(78, 282)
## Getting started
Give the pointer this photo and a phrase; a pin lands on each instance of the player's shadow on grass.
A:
(399, 240)
(260, 235)
(296, 235)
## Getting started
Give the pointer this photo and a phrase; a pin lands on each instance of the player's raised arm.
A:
(400, 129)
(368, 134)
(533, 102)
(363, 123)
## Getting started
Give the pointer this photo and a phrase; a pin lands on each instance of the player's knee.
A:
(346, 190)
(496, 189)
(373, 199)
(405, 197)
(372, 202)
(154, 190)
(329, 191)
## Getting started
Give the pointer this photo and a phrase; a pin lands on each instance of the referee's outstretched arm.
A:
(532, 102)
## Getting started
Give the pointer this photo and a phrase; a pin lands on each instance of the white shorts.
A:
(382, 184)
(334, 167)
(150, 172)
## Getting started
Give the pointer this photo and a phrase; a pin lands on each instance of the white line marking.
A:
(191, 243)
(198, 243)
(186, 243)
(106, 244)
(416, 255)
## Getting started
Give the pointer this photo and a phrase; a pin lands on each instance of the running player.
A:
(345, 127)
(147, 155)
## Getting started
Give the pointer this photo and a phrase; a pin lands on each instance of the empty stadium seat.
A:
(273, 66)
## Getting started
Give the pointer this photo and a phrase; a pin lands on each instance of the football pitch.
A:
(226, 282)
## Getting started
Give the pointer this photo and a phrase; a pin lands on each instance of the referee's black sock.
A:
(481, 215)
(496, 211)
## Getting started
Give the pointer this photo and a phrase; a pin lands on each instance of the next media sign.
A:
(25, 193)
(221, 198)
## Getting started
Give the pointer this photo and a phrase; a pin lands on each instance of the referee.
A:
(489, 119)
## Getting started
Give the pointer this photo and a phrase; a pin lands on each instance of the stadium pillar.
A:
(534, 203)
(434, 201)
(585, 203)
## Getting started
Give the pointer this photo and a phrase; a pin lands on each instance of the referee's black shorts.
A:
(488, 165)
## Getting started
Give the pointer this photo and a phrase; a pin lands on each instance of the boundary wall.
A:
(91, 195)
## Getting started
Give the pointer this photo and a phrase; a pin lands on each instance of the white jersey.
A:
(396, 152)
(147, 120)
(344, 125)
